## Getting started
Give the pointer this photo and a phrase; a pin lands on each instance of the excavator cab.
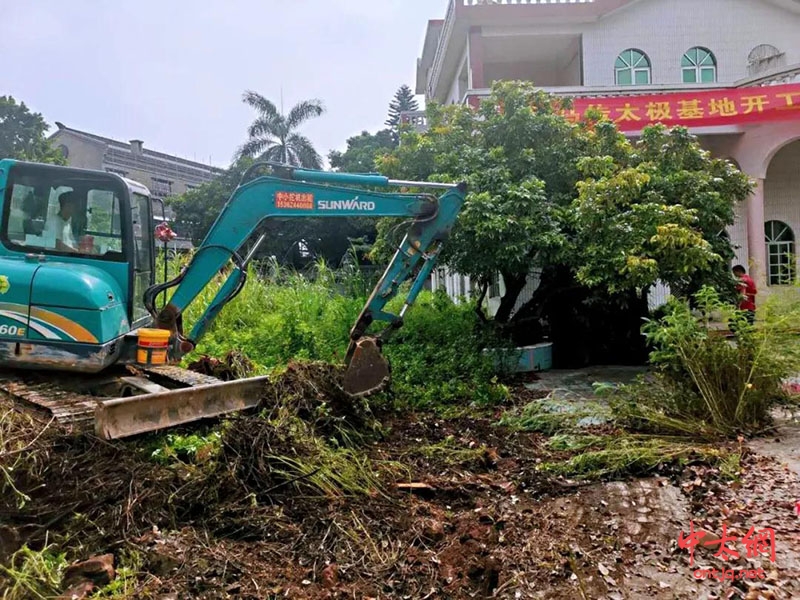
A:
(76, 255)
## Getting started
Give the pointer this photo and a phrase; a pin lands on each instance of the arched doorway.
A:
(782, 215)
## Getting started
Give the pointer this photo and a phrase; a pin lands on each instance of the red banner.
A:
(723, 106)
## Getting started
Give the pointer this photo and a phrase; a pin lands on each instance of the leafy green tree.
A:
(403, 101)
(22, 134)
(362, 150)
(273, 136)
(598, 218)
(657, 211)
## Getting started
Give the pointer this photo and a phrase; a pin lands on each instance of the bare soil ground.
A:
(459, 510)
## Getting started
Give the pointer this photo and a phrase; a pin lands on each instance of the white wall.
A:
(665, 29)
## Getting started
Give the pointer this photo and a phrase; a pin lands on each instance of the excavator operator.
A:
(60, 225)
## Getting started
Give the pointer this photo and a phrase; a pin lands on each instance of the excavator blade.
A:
(123, 417)
(367, 371)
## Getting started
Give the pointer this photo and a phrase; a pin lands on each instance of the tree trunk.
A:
(478, 307)
(514, 285)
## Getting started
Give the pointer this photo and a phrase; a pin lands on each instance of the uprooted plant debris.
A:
(314, 496)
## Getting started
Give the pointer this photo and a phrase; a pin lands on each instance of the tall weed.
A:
(706, 382)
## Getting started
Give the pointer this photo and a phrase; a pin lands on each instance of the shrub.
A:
(437, 355)
(706, 382)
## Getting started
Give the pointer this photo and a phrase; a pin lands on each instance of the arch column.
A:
(755, 235)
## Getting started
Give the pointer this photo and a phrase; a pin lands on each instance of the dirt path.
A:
(467, 513)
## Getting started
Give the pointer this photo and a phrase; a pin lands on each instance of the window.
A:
(62, 212)
(780, 253)
(143, 256)
(699, 66)
(161, 187)
(632, 68)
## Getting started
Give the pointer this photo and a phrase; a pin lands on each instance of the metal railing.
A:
(417, 118)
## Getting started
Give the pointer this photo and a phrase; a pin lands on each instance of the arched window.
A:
(632, 68)
(780, 253)
(699, 66)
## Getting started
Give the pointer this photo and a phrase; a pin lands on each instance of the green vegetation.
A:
(33, 574)
(601, 218)
(281, 314)
(624, 456)
(22, 134)
(705, 383)
(187, 448)
(273, 135)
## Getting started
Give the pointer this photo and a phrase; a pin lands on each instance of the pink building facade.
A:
(612, 48)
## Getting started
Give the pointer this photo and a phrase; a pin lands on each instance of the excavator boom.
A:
(288, 192)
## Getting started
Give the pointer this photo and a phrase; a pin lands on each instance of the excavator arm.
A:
(297, 193)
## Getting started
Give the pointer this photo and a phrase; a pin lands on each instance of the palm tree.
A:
(273, 136)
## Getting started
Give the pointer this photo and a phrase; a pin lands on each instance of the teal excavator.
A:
(81, 336)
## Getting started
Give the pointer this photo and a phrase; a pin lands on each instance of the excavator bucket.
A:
(367, 370)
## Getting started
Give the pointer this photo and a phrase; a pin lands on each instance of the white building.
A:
(606, 49)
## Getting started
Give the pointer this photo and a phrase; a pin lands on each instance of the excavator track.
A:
(50, 397)
(73, 399)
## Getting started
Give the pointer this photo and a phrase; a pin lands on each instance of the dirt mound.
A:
(301, 440)
(235, 365)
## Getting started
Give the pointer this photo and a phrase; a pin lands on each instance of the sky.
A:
(172, 72)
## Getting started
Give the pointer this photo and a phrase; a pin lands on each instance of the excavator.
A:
(82, 339)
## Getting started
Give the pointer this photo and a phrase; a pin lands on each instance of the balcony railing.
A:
(785, 75)
(789, 74)
(416, 118)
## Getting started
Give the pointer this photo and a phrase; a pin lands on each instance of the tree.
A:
(597, 218)
(362, 150)
(403, 101)
(273, 136)
(22, 134)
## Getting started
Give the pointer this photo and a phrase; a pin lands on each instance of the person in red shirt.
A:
(747, 290)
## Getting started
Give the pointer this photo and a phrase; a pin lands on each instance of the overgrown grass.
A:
(33, 573)
(554, 415)
(450, 452)
(39, 574)
(280, 315)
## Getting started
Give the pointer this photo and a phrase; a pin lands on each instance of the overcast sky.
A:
(172, 72)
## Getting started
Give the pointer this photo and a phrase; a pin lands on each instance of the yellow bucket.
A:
(152, 346)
